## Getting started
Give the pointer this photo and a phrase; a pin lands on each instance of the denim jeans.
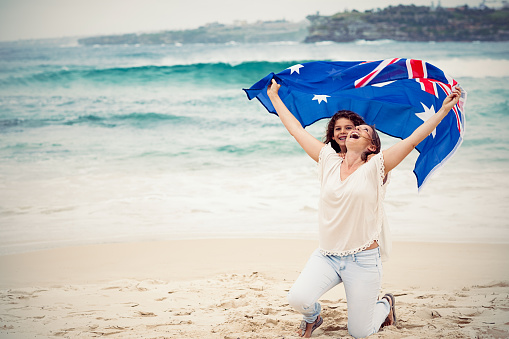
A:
(361, 274)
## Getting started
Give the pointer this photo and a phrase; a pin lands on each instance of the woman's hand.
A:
(273, 89)
(308, 142)
(396, 153)
(452, 99)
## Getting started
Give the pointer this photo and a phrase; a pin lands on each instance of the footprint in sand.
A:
(145, 314)
(233, 304)
(425, 296)
(183, 313)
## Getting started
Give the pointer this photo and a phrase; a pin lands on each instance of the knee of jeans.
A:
(359, 331)
(360, 334)
(298, 301)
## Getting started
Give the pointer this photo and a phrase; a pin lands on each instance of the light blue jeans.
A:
(361, 274)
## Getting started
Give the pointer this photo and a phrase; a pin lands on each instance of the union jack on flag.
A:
(397, 95)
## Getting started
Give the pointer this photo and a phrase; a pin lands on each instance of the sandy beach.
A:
(237, 289)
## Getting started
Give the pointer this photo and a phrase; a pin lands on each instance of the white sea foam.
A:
(374, 42)
(274, 198)
(324, 43)
(473, 68)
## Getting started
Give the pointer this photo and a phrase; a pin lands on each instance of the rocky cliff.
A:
(412, 23)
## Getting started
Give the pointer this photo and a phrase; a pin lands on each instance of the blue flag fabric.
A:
(397, 95)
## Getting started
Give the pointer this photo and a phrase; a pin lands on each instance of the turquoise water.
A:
(128, 143)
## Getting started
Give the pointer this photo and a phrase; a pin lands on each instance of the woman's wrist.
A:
(272, 95)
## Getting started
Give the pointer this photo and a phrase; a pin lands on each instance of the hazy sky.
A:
(32, 19)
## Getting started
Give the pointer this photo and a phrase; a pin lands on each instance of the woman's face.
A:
(360, 137)
(341, 129)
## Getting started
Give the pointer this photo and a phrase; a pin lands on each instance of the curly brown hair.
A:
(375, 140)
(355, 118)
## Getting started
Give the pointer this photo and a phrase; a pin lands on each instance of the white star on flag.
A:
(428, 113)
(321, 97)
(295, 68)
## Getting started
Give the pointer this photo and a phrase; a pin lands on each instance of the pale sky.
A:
(34, 19)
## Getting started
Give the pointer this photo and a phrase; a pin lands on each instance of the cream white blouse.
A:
(350, 213)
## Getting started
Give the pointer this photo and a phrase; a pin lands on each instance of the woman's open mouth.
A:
(355, 135)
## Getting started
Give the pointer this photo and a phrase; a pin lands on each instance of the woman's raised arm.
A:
(308, 142)
(395, 154)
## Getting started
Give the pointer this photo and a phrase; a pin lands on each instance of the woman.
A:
(351, 231)
(338, 127)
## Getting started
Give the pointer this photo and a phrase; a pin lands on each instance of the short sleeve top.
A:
(350, 213)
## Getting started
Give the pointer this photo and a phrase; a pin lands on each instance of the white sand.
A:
(237, 289)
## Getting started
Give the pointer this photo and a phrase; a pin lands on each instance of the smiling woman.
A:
(353, 230)
(369, 133)
(338, 127)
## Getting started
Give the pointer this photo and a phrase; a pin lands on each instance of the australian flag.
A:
(396, 95)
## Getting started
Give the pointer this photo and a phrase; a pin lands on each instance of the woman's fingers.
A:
(452, 99)
(273, 87)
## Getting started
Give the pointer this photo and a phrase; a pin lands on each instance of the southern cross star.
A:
(321, 97)
(428, 113)
(335, 74)
(295, 68)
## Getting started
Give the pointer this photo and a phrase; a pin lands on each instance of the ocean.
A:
(104, 144)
